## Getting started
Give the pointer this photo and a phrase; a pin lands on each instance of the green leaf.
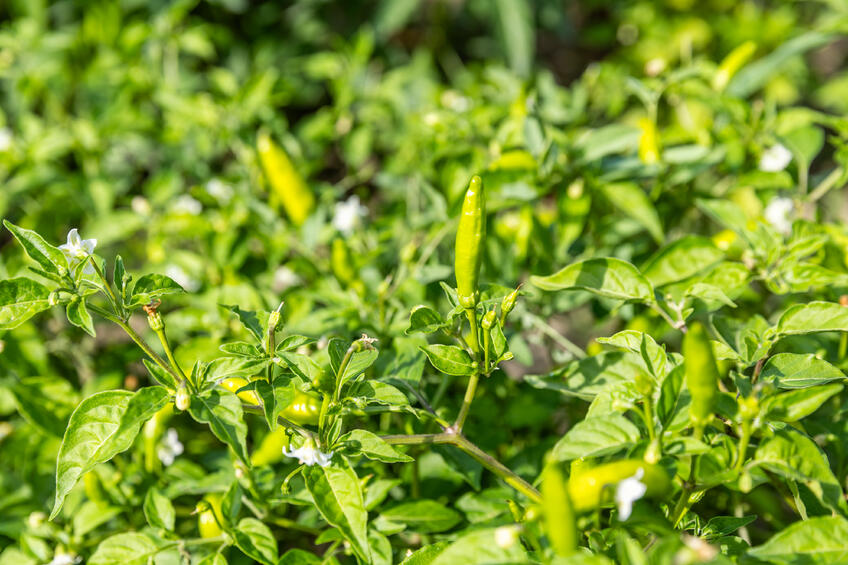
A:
(160, 375)
(78, 315)
(673, 398)
(815, 541)
(145, 402)
(632, 340)
(125, 549)
(21, 299)
(719, 526)
(516, 33)
(359, 361)
(424, 516)
(813, 317)
(90, 515)
(609, 277)
(424, 319)
(50, 258)
(222, 411)
(337, 493)
(794, 370)
(45, 402)
(158, 510)
(242, 349)
(149, 287)
(794, 456)
(632, 201)
(594, 437)
(91, 426)
(250, 320)
(376, 392)
(796, 404)
(256, 541)
(481, 547)
(681, 259)
(373, 447)
(449, 359)
(292, 342)
(589, 377)
(300, 557)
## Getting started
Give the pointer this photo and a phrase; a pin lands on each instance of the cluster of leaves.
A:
(693, 173)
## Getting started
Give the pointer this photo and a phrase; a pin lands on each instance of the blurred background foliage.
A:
(137, 122)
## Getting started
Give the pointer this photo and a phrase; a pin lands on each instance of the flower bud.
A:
(488, 320)
(509, 302)
(182, 399)
(154, 318)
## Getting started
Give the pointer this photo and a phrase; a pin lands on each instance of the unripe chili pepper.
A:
(701, 375)
(558, 511)
(649, 151)
(508, 302)
(524, 234)
(592, 487)
(233, 384)
(305, 409)
(209, 516)
(341, 262)
(182, 398)
(270, 449)
(731, 64)
(469, 243)
(488, 319)
(287, 186)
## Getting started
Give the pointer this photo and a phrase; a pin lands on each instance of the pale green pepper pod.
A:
(558, 512)
(731, 64)
(287, 186)
(701, 376)
(470, 238)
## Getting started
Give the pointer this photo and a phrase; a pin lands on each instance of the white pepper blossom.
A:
(185, 204)
(5, 139)
(78, 250)
(629, 491)
(506, 536)
(348, 215)
(170, 447)
(309, 455)
(219, 190)
(775, 158)
(778, 214)
(64, 559)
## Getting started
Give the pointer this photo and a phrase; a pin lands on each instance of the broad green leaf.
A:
(487, 546)
(796, 404)
(299, 557)
(609, 277)
(725, 212)
(594, 437)
(130, 548)
(241, 349)
(222, 411)
(45, 402)
(292, 342)
(160, 375)
(149, 287)
(373, 447)
(794, 456)
(673, 399)
(795, 370)
(49, 257)
(517, 34)
(426, 554)
(379, 393)
(424, 516)
(337, 493)
(143, 404)
(449, 359)
(588, 377)
(301, 365)
(681, 259)
(719, 526)
(424, 319)
(813, 317)
(78, 315)
(158, 510)
(359, 360)
(91, 426)
(631, 340)
(632, 201)
(91, 515)
(256, 541)
(815, 541)
(21, 299)
(250, 320)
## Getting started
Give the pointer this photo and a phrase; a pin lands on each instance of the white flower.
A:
(775, 158)
(77, 250)
(64, 559)
(185, 204)
(309, 455)
(778, 212)
(284, 278)
(506, 536)
(348, 215)
(181, 277)
(629, 491)
(170, 448)
(140, 206)
(5, 139)
(219, 190)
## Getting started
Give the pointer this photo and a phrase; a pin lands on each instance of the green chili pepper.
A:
(287, 186)
(592, 487)
(558, 511)
(701, 376)
(469, 243)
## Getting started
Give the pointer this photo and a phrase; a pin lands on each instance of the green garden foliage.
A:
(423, 281)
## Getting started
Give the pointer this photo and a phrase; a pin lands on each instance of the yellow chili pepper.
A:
(287, 186)
(731, 64)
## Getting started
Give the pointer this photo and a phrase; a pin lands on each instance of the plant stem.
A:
(461, 442)
(743, 444)
(163, 339)
(118, 307)
(471, 313)
(466, 402)
(682, 506)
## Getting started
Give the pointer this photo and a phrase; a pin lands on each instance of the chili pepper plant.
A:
(433, 283)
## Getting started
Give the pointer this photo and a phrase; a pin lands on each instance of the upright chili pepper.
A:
(469, 243)
(649, 147)
(558, 511)
(701, 376)
(288, 187)
(731, 64)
